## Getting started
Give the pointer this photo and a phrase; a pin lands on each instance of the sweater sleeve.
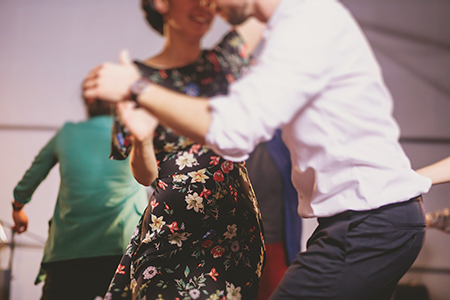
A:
(41, 166)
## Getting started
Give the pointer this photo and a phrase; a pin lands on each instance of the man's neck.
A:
(264, 9)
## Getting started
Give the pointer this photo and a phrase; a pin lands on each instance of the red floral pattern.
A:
(198, 236)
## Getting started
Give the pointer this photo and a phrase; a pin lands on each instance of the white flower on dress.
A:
(148, 238)
(132, 271)
(179, 177)
(135, 233)
(177, 238)
(169, 147)
(157, 223)
(198, 176)
(194, 201)
(194, 293)
(233, 293)
(133, 284)
(214, 296)
(231, 231)
(150, 272)
(186, 160)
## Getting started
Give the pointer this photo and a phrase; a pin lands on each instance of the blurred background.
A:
(48, 46)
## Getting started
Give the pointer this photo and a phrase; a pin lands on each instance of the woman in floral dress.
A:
(201, 235)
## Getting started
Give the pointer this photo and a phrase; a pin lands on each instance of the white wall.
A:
(48, 46)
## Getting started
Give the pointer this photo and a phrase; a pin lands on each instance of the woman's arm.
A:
(142, 126)
(143, 161)
(438, 172)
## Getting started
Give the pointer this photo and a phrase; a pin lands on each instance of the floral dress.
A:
(201, 235)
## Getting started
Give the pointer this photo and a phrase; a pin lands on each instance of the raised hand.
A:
(111, 81)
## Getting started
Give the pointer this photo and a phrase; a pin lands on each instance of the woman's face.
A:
(189, 17)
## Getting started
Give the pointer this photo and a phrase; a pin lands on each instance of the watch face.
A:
(139, 86)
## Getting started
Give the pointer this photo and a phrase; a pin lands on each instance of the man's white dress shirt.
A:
(317, 78)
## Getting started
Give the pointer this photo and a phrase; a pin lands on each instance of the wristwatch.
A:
(138, 87)
(15, 208)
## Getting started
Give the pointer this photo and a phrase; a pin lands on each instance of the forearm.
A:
(188, 116)
(143, 161)
(37, 172)
(438, 172)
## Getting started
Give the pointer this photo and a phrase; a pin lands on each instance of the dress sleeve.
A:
(232, 55)
(41, 166)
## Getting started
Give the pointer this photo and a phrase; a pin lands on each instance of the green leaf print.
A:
(187, 271)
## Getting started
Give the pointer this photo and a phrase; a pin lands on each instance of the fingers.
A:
(91, 94)
(20, 228)
(90, 84)
(124, 57)
(94, 72)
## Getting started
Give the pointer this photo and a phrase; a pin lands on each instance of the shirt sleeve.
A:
(41, 166)
(293, 67)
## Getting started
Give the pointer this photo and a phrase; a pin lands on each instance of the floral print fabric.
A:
(201, 235)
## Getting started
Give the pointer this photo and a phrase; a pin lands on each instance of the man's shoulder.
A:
(310, 10)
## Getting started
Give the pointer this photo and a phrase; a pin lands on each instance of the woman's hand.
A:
(138, 121)
(110, 81)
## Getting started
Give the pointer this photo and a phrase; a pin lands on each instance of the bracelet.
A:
(15, 208)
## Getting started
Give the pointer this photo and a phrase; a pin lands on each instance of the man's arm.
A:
(289, 73)
(438, 172)
(189, 116)
(38, 171)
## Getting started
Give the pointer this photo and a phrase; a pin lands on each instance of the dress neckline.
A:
(188, 66)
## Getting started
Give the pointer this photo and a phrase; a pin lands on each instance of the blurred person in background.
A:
(97, 208)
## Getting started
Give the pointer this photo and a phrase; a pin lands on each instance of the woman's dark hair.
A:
(154, 18)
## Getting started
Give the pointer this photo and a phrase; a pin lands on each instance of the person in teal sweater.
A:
(98, 206)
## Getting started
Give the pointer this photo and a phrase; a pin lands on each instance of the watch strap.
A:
(138, 87)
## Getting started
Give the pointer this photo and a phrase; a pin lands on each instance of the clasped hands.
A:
(111, 82)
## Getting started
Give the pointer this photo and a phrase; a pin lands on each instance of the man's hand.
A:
(20, 221)
(110, 81)
(138, 121)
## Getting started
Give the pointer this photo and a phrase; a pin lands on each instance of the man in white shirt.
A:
(317, 79)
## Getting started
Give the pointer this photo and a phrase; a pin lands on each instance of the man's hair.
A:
(154, 18)
(98, 108)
